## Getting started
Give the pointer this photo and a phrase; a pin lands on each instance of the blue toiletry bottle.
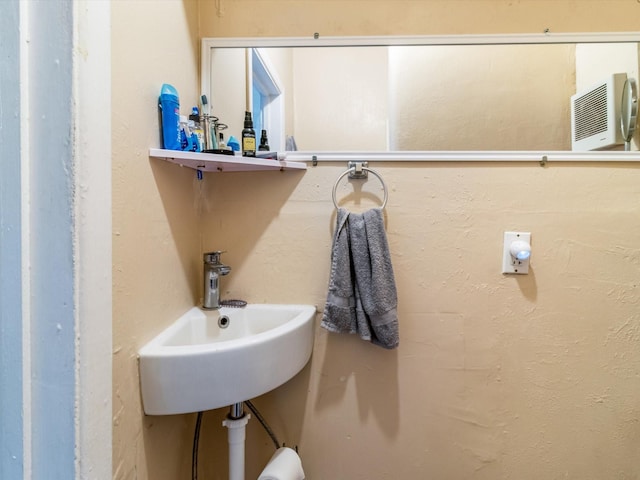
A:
(170, 109)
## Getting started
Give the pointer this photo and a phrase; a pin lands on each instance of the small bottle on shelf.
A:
(248, 137)
(264, 142)
(221, 143)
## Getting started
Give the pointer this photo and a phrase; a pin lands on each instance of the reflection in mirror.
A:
(629, 111)
(418, 97)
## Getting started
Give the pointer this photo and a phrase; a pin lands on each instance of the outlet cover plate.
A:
(510, 264)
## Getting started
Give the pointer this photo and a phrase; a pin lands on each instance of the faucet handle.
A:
(213, 257)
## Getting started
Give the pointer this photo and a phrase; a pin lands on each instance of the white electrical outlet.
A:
(511, 264)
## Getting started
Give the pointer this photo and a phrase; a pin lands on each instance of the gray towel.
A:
(362, 294)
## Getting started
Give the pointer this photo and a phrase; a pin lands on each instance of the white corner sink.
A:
(195, 365)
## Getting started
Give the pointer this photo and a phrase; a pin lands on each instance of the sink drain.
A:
(223, 321)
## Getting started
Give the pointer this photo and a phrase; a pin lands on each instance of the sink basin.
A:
(195, 364)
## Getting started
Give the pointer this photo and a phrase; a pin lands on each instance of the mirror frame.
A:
(541, 156)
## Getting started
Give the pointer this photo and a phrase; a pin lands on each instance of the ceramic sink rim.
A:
(158, 345)
(207, 372)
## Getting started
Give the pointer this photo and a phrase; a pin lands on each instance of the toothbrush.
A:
(205, 105)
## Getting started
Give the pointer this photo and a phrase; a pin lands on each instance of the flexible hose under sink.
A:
(263, 422)
(194, 453)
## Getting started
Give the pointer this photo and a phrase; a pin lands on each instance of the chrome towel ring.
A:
(358, 170)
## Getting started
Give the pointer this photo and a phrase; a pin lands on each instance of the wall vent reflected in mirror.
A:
(595, 115)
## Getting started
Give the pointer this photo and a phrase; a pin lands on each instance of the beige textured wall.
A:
(530, 377)
(333, 114)
(237, 18)
(496, 376)
(228, 97)
(489, 97)
(592, 60)
(156, 240)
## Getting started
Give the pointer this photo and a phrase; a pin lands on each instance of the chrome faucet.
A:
(213, 270)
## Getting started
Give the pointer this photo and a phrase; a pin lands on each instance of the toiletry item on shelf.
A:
(221, 147)
(195, 141)
(207, 128)
(233, 143)
(197, 128)
(205, 104)
(186, 143)
(248, 137)
(206, 123)
(169, 105)
(264, 142)
(213, 132)
(217, 131)
(221, 144)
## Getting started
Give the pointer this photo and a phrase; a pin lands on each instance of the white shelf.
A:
(211, 162)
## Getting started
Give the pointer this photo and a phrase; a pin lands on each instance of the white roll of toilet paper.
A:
(284, 465)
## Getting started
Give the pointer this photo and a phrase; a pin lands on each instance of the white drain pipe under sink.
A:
(236, 422)
(283, 465)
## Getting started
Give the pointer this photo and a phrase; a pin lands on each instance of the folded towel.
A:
(362, 294)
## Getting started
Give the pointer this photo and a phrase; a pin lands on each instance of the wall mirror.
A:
(433, 93)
